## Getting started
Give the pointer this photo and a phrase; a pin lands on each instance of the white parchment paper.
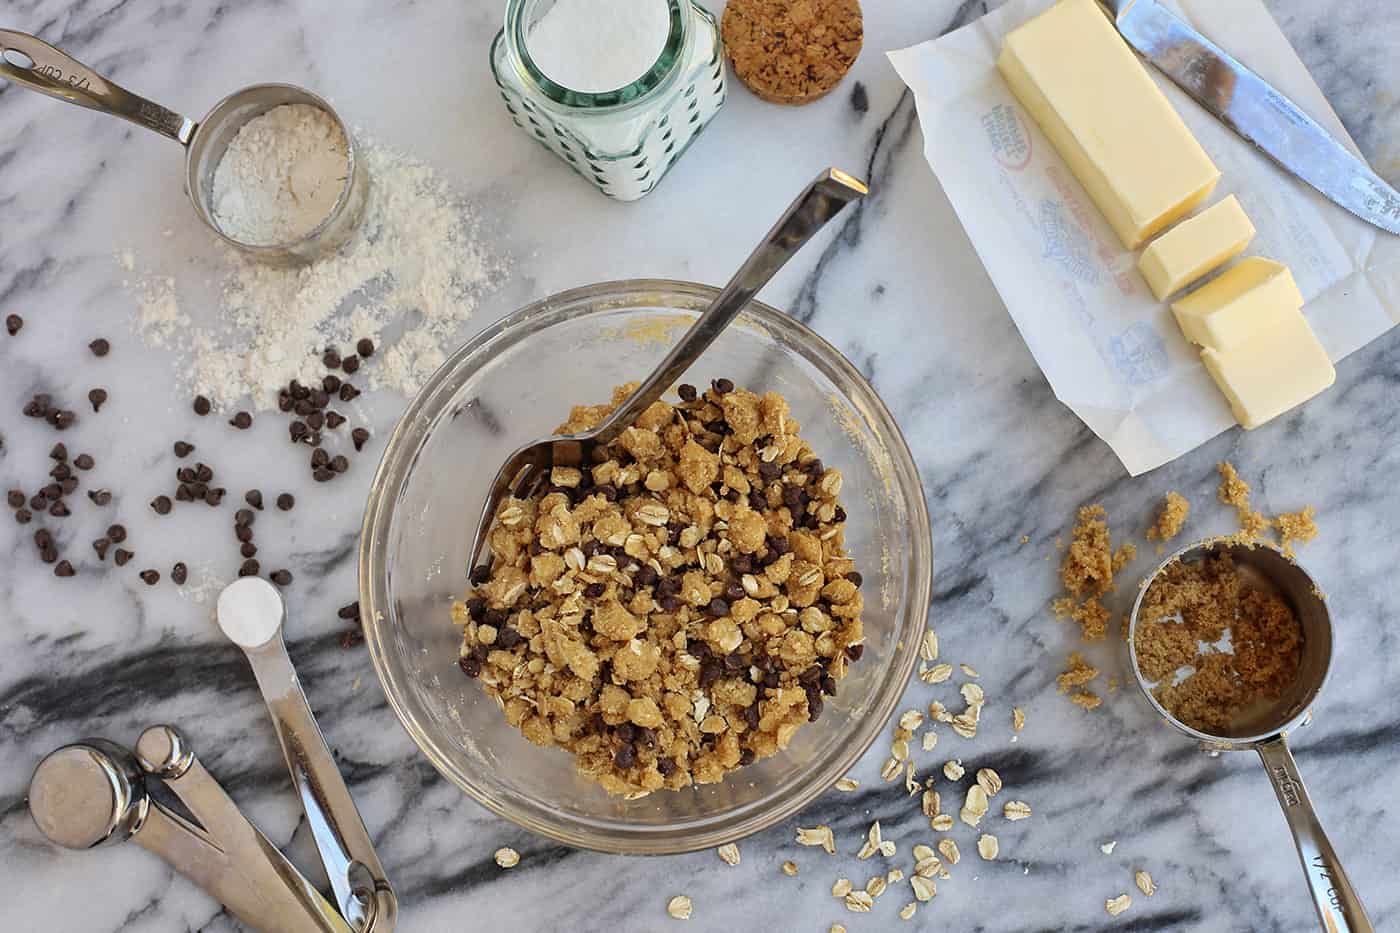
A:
(1111, 351)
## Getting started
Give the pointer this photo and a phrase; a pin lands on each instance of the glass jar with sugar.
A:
(618, 89)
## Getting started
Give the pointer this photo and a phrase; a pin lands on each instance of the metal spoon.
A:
(1266, 730)
(250, 612)
(822, 200)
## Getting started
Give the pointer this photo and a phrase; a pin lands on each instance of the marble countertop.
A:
(897, 288)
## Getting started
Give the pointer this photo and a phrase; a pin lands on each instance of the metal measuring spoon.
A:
(93, 793)
(1266, 730)
(33, 63)
(250, 612)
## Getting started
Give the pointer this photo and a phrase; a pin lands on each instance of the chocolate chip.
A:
(148, 577)
(15, 498)
(339, 464)
(348, 393)
(58, 452)
(365, 347)
(254, 498)
(839, 515)
(161, 504)
(13, 323)
(358, 436)
(100, 496)
(667, 766)
(203, 472)
(179, 573)
(331, 383)
(508, 638)
(334, 419)
(722, 386)
(319, 398)
(670, 604)
(319, 457)
(183, 449)
(687, 392)
(769, 471)
(284, 401)
(480, 575)
(185, 474)
(48, 555)
(855, 577)
(84, 462)
(69, 485)
(718, 608)
(100, 546)
(352, 637)
(121, 556)
(43, 539)
(23, 516)
(828, 684)
(315, 421)
(351, 365)
(296, 390)
(248, 549)
(351, 611)
(331, 358)
(242, 421)
(249, 568)
(647, 576)
(243, 533)
(182, 493)
(855, 651)
(201, 408)
(470, 666)
(594, 590)
(285, 501)
(63, 568)
(297, 430)
(100, 347)
(710, 671)
(117, 533)
(814, 706)
(59, 510)
(747, 756)
(280, 577)
(39, 502)
(63, 420)
(734, 592)
(625, 757)
(98, 398)
(243, 517)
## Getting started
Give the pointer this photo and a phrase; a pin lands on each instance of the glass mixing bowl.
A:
(516, 382)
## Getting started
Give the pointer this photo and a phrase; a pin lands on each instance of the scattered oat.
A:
(939, 712)
(929, 741)
(965, 725)
(894, 876)
(836, 928)
(790, 869)
(968, 670)
(729, 853)
(989, 781)
(937, 674)
(924, 888)
(679, 907)
(953, 770)
(1018, 719)
(872, 841)
(949, 848)
(841, 887)
(876, 886)
(1170, 517)
(911, 784)
(928, 649)
(1117, 905)
(847, 784)
(974, 805)
(942, 822)
(907, 911)
(1145, 883)
(930, 805)
(1016, 810)
(1108, 847)
(859, 902)
(911, 720)
(890, 770)
(820, 835)
(988, 847)
(506, 857)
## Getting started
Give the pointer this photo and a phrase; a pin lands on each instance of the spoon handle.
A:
(357, 878)
(33, 63)
(822, 200)
(1338, 906)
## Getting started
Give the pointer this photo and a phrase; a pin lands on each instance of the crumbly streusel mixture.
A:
(678, 609)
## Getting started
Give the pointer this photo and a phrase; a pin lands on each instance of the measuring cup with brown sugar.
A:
(30, 62)
(1277, 645)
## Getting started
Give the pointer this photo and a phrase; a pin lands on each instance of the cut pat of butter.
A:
(1108, 120)
(1195, 247)
(1245, 299)
(1275, 371)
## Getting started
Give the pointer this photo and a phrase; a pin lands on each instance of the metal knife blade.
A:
(1258, 112)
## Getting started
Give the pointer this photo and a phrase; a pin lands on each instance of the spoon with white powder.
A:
(250, 612)
(271, 169)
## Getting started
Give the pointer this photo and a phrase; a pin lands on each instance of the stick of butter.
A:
(1110, 122)
(1195, 247)
(1246, 299)
(1275, 371)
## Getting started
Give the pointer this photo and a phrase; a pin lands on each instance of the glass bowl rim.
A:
(399, 459)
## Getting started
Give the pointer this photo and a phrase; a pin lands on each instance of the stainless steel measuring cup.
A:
(33, 63)
(1266, 729)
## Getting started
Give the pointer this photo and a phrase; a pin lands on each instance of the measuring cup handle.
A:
(35, 64)
(1338, 906)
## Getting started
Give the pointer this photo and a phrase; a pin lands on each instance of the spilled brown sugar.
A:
(1171, 516)
(1215, 641)
(1087, 570)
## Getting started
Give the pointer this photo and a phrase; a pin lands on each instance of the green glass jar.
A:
(622, 140)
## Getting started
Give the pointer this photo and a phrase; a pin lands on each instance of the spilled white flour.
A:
(411, 274)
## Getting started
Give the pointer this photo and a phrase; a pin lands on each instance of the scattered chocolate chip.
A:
(161, 504)
(62, 420)
(470, 666)
(100, 496)
(23, 516)
(348, 392)
(61, 472)
(339, 464)
(280, 577)
(84, 461)
(285, 501)
(100, 546)
(319, 457)
(242, 421)
(315, 421)
(52, 491)
(63, 568)
(854, 652)
(352, 611)
(334, 419)
(687, 392)
(365, 347)
(215, 496)
(43, 539)
(722, 386)
(39, 502)
(201, 408)
(249, 568)
(100, 347)
(480, 575)
(58, 452)
(121, 556)
(179, 573)
(117, 533)
(331, 358)
(69, 485)
(594, 590)
(15, 498)
(182, 493)
(98, 398)
(296, 390)
(148, 577)
(359, 435)
(718, 607)
(243, 533)
(254, 498)
(183, 449)
(297, 430)
(59, 509)
(351, 365)
(331, 383)
(13, 323)
(203, 472)
(319, 399)
(248, 549)
(625, 757)
(285, 401)
(855, 577)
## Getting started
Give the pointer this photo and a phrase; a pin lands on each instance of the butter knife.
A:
(1258, 112)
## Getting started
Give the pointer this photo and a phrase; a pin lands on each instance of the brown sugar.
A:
(1234, 492)
(1078, 673)
(1296, 526)
(792, 51)
(1199, 603)
(1087, 570)
(1171, 516)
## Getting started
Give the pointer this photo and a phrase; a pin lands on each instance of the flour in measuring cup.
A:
(280, 176)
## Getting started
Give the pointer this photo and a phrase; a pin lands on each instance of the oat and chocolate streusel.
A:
(679, 607)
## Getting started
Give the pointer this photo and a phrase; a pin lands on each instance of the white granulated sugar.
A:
(280, 176)
(599, 45)
(407, 279)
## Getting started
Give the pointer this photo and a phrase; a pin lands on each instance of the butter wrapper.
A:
(1110, 350)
